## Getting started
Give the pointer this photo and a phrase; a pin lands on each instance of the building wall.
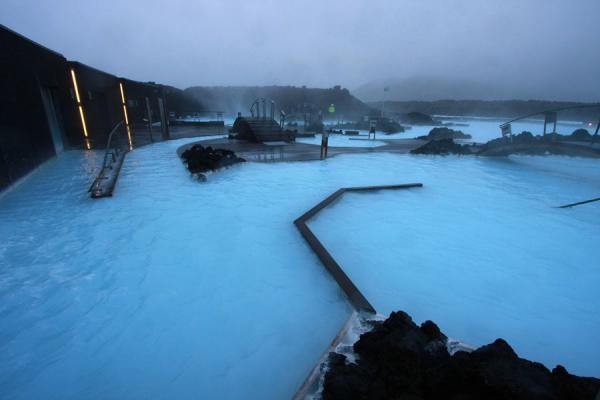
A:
(27, 69)
(137, 93)
(39, 114)
(101, 100)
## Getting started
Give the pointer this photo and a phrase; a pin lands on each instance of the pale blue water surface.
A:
(482, 250)
(174, 288)
(170, 289)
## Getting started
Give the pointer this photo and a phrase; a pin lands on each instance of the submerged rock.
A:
(201, 159)
(400, 360)
(442, 147)
(444, 133)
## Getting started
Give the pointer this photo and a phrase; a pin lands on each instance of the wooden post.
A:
(324, 144)
(164, 122)
(596, 133)
(544, 126)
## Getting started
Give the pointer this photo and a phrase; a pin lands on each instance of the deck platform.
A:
(294, 151)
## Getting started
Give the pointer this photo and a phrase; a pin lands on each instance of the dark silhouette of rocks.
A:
(578, 135)
(418, 118)
(201, 159)
(399, 360)
(389, 126)
(442, 147)
(444, 133)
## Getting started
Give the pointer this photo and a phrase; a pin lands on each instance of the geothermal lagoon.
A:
(179, 289)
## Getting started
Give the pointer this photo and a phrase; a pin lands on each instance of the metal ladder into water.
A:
(114, 155)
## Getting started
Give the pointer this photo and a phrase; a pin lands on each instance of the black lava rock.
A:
(418, 118)
(400, 360)
(442, 147)
(201, 159)
(580, 135)
(444, 133)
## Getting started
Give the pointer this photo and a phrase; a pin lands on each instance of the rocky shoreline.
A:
(398, 359)
(441, 141)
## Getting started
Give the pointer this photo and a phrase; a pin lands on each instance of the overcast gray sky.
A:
(529, 43)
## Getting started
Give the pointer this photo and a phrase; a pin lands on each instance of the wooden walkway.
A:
(357, 299)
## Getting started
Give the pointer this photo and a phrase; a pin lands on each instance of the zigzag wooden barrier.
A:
(357, 299)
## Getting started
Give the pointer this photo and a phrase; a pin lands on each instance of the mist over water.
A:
(499, 49)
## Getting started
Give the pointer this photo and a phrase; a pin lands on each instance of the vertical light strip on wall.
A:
(78, 98)
(125, 114)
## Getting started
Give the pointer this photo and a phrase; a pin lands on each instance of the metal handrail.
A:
(553, 110)
(108, 143)
(110, 156)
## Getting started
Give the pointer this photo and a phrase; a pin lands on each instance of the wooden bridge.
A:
(548, 143)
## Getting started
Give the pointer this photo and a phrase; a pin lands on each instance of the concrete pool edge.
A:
(310, 383)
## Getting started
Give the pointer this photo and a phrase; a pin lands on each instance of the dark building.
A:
(106, 100)
(37, 118)
(97, 96)
(49, 104)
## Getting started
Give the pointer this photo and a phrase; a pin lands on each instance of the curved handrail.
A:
(553, 110)
(108, 143)
(112, 132)
(257, 104)
(111, 156)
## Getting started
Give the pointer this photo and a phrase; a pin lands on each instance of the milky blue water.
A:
(179, 289)
(170, 289)
(481, 130)
(481, 250)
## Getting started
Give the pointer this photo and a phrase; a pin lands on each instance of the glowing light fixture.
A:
(81, 115)
(124, 105)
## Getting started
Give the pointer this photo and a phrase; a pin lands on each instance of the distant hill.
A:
(180, 101)
(233, 99)
(480, 108)
(424, 88)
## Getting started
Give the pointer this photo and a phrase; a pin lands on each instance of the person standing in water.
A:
(324, 144)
